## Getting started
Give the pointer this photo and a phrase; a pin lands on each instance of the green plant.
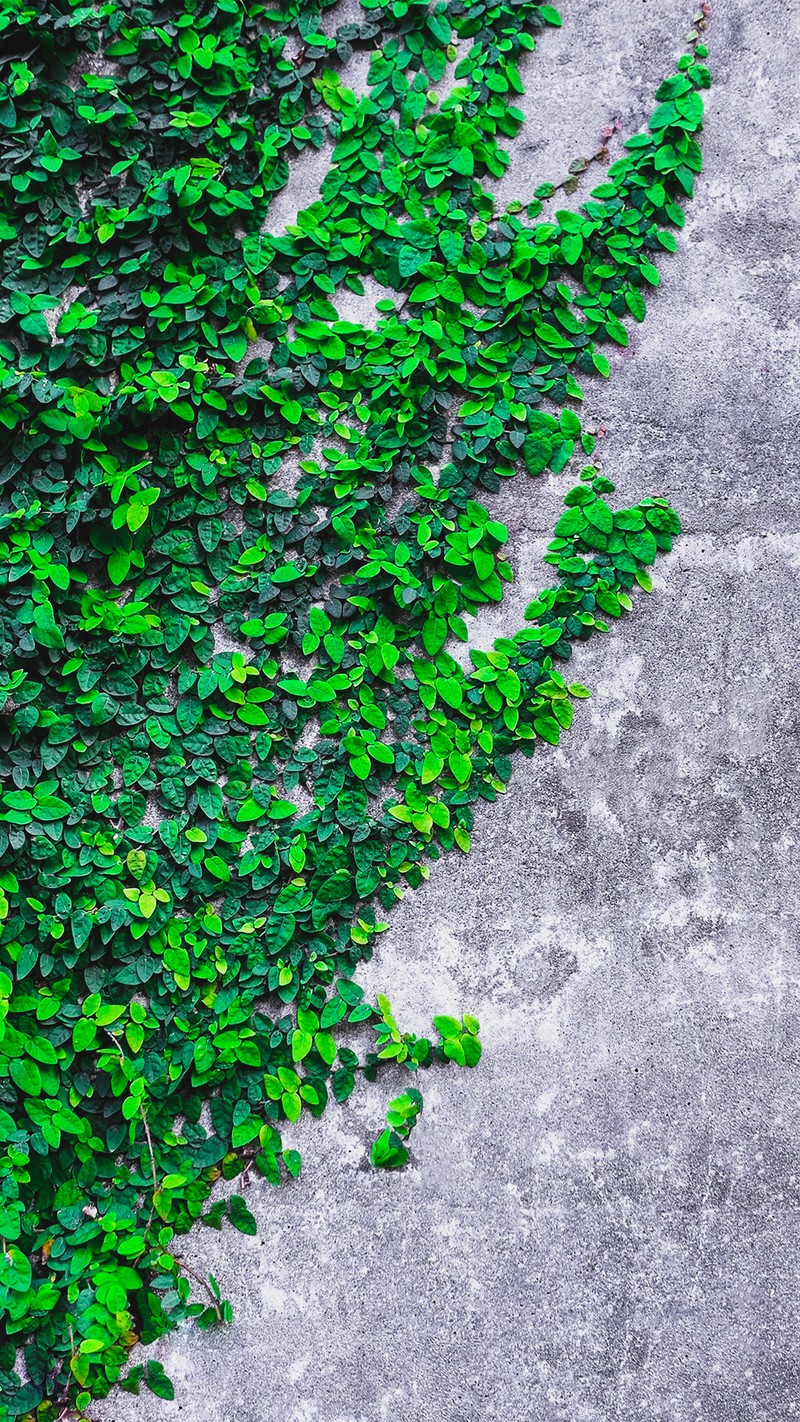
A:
(233, 725)
(389, 1151)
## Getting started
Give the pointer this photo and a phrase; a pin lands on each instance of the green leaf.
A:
(45, 631)
(388, 1151)
(26, 1075)
(158, 1382)
(548, 728)
(642, 545)
(447, 1026)
(536, 452)
(281, 809)
(302, 1042)
(249, 811)
(15, 1269)
(84, 1034)
(217, 866)
(450, 691)
(234, 345)
(293, 1161)
(119, 565)
(240, 1216)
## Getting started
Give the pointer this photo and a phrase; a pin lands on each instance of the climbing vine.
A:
(242, 541)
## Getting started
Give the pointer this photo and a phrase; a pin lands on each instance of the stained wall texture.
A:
(601, 1222)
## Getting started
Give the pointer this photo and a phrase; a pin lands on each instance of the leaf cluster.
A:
(236, 716)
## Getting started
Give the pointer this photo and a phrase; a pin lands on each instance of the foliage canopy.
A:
(241, 542)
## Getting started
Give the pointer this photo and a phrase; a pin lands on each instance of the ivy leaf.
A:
(234, 344)
(157, 1380)
(548, 728)
(281, 809)
(217, 866)
(15, 1269)
(249, 811)
(388, 1151)
(450, 691)
(642, 545)
(240, 1216)
(45, 631)
(26, 1075)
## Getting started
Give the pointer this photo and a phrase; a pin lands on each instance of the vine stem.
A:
(198, 1278)
(599, 157)
(143, 1115)
(152, 1167)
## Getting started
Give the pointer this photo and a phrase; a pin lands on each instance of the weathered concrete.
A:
(602, 1220)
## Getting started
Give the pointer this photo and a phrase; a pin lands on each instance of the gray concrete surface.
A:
(601, 1222)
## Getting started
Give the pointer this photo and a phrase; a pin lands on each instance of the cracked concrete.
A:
(600, 1222)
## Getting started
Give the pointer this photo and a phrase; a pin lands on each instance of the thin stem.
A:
(150, 1148)
(198, 1278)
(143, 1115)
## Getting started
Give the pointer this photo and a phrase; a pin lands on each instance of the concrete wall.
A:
(601, 1221)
